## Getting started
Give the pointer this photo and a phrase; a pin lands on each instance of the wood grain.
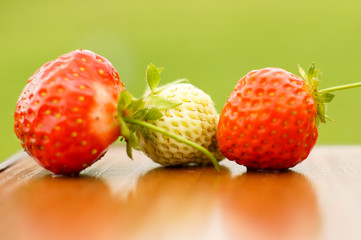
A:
(118, 198)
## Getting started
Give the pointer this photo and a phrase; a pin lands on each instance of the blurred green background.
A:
(212, 43)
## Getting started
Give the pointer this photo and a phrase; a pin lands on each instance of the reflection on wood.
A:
(271, 206)
(63, 208)
(118, 198)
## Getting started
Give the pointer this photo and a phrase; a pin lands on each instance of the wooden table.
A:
(118, 198)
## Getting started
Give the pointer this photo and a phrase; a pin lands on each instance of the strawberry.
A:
(66, 116)
(195, 119)
(270, 120)
(174, 125)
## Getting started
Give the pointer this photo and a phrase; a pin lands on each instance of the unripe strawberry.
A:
(195, 119)
(174, 125)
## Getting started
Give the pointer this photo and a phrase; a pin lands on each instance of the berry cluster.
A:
(73, 108)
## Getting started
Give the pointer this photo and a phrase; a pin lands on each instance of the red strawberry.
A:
(66, 116)
(270, 119)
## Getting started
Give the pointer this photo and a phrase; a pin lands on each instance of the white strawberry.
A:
(174, 125)
(195, 119)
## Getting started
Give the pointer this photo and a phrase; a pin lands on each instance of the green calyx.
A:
(321, 97)
(134, 114)
(312, 79)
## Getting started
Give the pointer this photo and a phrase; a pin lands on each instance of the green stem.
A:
(347, 86)
(176, 137)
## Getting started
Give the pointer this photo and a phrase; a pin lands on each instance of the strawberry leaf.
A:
(153, 114)
(326, 97)
(124, 101)
(133, 141)
(161, 102)
(311, 71)
(303, 74)
(153, 77)
(125, 131)
(125, 98)
(321, 113)
(134, 128)
(128, 134)
(129, 150)
(147, 134)
(141, 114)
(312, 80)
(136, 105)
